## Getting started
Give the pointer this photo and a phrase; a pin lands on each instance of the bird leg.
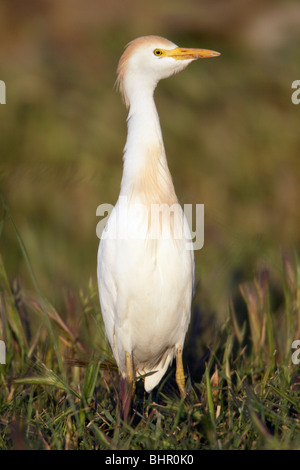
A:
(180, 379)
(127, 388)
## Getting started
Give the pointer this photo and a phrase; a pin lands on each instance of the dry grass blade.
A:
(255, 296)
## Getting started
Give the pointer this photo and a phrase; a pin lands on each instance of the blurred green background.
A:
(230, 129)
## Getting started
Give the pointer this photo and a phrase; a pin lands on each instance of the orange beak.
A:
(181, 53)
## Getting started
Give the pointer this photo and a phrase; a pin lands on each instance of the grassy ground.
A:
(59, 388)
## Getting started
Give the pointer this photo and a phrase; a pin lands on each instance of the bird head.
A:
(148, 59)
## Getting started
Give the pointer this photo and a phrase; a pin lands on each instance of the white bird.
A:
(145, 269)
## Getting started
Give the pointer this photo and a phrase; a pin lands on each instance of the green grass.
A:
(59, 386)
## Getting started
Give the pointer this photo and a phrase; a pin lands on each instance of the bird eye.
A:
(157, 52)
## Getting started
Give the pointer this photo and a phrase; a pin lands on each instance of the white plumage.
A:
(145, 268)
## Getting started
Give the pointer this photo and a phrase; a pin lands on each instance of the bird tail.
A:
(158, 372)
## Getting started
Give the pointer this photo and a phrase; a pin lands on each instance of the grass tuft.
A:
(59, 388)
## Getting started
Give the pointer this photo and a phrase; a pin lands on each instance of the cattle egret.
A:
(145, 277)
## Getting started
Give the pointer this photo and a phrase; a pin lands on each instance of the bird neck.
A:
(146, 176)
